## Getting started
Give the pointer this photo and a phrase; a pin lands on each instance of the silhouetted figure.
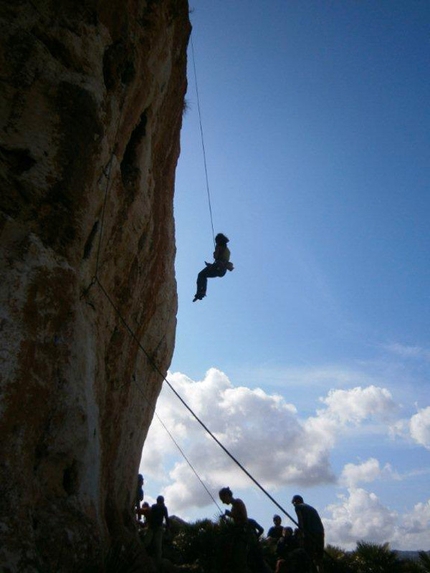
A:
(145, 512)
(255, 553)
(287, 543)
(311, 530)
(242, 533)
(139, 490)
(218, 268)
(255, 527)
(275, 532)
(154, 535)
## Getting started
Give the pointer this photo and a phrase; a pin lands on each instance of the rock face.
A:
(92, 101)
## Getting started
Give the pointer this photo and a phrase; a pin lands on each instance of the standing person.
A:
(241, 535)
(139, 490)
(218, 268)
(144, 511)
(255, 527)
(238, 509)
(275, 532)
(312, 531)
(287, 543)
(154, 535)
(255, 552)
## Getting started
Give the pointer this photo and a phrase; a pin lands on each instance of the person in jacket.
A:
(218, 268)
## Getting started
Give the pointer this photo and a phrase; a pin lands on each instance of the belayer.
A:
(218, 268)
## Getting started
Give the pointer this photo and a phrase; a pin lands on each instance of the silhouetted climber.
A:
(218, 268)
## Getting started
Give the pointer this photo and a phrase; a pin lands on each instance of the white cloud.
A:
(359, 516)
(355, 405)
(413, 531)
(419, 427)
(262, 431)
(266, 434)
(366, 472)
(187, 491)
(416, 428)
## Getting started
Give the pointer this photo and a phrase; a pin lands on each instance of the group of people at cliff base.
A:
(299, 551)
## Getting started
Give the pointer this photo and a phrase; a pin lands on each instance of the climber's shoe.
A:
(198, 297)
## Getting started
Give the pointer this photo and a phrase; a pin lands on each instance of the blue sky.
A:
(315, 350)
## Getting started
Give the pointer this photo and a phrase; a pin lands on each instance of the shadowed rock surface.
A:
(90, 117)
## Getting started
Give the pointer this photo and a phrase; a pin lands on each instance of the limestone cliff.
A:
(91, 111)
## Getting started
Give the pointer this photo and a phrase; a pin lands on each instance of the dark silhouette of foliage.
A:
(206, 546)
(424, 558)
(337, 560)
(372, 558)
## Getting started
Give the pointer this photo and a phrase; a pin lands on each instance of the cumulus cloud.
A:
(262, 431)
(419, 427)
(281, 449)
(414, 527)
(360, 515)
(366, 472)
(354, 406)
(416, 428)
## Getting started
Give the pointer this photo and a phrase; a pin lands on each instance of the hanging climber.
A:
(218, 268)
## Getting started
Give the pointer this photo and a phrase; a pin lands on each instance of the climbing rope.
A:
(107, 172)
(189, 463)
(151, 406)
(96, 280)
(202, 424)
(202, 139)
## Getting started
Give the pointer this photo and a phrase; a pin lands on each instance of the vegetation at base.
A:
(204, 547)
(373, 558)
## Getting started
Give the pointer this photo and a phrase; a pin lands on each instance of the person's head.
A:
(296, 500)
(160, 500)
(225, 495)
(145, 505)
(287, 532)
(277, 519)
(221, 239)
(140, 479)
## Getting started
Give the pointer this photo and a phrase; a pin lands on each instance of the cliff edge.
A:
(91, 112)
